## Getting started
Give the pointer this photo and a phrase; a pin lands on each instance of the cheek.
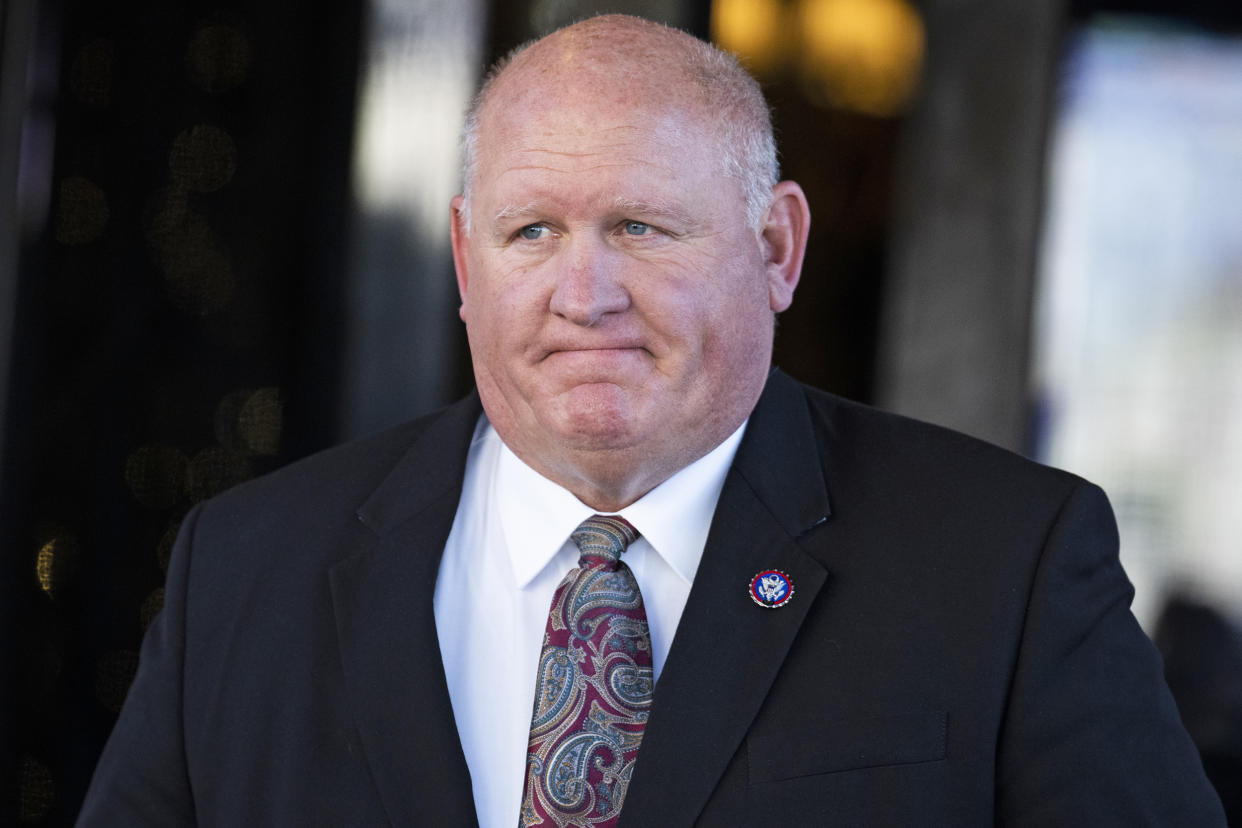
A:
(503, 312)
(498, 290)
(723, 305)
(743, 329)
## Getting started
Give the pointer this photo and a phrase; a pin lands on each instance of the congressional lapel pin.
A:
(771, 588)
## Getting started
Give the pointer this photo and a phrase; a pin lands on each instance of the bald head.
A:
(634, 60)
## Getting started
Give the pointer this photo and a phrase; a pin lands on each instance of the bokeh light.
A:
(751, 29)
(37, 792)
(863, 55)
(218, 57)
(203, 158)
(259, 421)
(213, 470)
(56, 558)
(90, 75)
(858, 55)
(81, 212)
(156, 474)
(197, 270)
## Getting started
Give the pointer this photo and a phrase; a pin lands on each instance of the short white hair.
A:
(730, 96)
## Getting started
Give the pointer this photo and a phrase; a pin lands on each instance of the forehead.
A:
(593, 129)
(572, 133)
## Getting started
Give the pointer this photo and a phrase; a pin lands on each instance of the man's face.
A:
(616, 300)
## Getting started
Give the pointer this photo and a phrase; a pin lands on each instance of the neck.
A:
(607, 481)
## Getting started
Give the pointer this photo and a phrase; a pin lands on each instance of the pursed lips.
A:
(612, 355)
(600, 347)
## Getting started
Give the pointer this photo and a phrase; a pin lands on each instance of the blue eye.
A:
(532, 232)
(636, 228)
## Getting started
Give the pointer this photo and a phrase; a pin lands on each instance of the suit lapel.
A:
(727, 650)
(382, 597)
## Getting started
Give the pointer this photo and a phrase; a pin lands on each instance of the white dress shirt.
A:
(507, 552)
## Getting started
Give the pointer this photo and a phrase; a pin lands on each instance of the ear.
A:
(460, 237)
(784, 236)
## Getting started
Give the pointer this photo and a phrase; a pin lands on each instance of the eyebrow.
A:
(666, 209)
(511, 211)
(622, 204)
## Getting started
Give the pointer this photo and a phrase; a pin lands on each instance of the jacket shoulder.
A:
(909, 465)
(315, 499)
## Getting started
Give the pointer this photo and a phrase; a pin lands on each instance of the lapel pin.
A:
(771, 588)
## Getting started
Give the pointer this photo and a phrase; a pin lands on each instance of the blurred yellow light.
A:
(750, 29)
(57, 558)
(861, 54)
(45, 566)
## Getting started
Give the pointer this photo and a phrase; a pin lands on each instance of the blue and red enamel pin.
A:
(771, 588)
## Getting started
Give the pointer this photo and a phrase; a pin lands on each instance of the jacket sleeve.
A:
(142, 777)
(1091, 734)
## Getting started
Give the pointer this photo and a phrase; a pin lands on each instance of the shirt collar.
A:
(537, 516)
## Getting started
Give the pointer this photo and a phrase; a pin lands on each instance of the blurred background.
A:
(224, 245)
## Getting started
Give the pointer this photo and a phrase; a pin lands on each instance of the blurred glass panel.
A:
(1138, 339)
(403, 352)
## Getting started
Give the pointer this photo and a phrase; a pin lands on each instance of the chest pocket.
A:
(847, 743)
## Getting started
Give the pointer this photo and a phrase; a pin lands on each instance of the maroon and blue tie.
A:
(593, 690)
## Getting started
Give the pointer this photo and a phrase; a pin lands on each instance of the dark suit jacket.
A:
(959, 649)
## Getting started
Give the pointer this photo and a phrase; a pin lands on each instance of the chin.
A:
(597, 421)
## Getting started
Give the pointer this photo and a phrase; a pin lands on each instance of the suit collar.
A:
(780, 458)
(382, 598)
(435, 463)
(727, 651)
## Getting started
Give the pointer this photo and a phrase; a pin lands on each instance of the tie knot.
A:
(601, 540)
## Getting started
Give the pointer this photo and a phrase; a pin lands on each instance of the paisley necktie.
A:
(593, 689)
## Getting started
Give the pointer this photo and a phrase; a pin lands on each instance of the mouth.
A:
(596, 350)
(589, 353)
(602, 349)
(595, 363)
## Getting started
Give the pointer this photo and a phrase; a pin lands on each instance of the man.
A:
(851, 619)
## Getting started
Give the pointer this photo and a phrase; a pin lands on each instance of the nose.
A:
(588, 282)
